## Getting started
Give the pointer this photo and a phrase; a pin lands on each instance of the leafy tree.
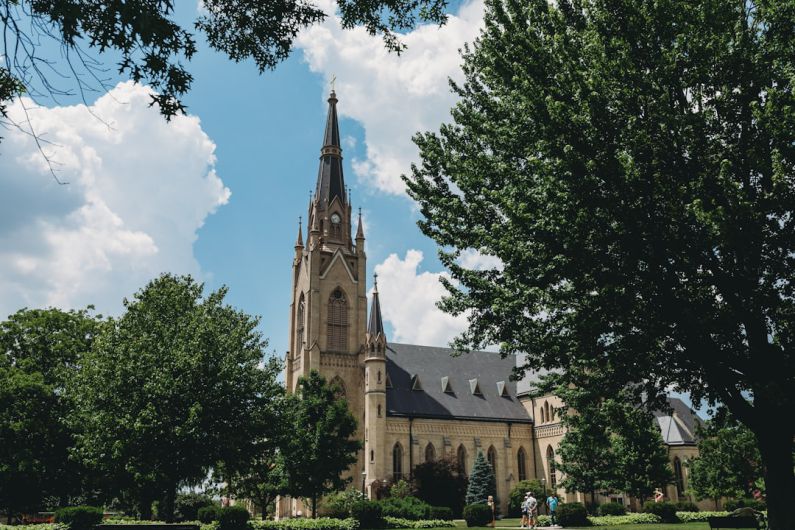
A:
(261, 481)
(176, 385)
(518, 492)
(152, 46)
(728, 462)
(585, 453)
(639, 454)
(481, 482)
(187, 505)
(631, 166)
(439, 483)
(39, 351)
(320, 446)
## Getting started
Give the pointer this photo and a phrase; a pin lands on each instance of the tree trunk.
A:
(775, 446)
(314, 507)
(166, 511)
(145, 506)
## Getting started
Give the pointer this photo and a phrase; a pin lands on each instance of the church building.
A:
(416, 403)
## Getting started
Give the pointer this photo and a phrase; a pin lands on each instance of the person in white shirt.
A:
(532, 511)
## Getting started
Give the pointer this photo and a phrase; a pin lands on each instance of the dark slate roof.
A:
(430, 365)
(330, 179)
(678, 426)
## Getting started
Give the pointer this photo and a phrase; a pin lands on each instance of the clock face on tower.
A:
(335, 218)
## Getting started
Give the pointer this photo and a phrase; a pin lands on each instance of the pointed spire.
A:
(360, 229)
(376, 324)
(299, 241)
(330, 180)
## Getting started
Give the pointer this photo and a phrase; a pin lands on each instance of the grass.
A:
(677, 526)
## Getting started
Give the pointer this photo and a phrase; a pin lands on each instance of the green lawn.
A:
(679, 526)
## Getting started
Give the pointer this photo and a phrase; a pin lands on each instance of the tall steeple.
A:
(330, 180)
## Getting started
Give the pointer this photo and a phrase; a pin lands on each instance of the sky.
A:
(217, 193)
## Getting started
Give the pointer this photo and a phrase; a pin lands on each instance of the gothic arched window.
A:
(546, 411)
(553, 479)
(299, 324)
(397, 462)
(379, 410)
(461, 455)
(521, 463)
(542, 415)
(679, 477)
(430, 452)
(491, 456)
(337, 335)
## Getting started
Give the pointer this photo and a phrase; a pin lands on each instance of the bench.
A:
(733, 522)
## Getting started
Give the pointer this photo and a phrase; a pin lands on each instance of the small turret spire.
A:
(376, 324)
(360, 228)
(299, 241)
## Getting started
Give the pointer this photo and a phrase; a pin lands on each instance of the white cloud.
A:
(472, 259)
(392, 96)
(139, 189)
(408, 302)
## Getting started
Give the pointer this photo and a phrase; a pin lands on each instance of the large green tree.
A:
(179, 384)
(632, 166)
(728, 462)
(440, 483)
(39, 351)
(320, 446)
(152, 46)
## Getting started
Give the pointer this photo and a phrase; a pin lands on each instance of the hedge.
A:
(233, 518)
(734, 504)
(693, 517)
(612, 508)
(572, 514)
(664, 510)
(630, 518)
(40, 526)
(397, 522)
(477, 514)
(322, 523)
(208, 514)
(79, 517)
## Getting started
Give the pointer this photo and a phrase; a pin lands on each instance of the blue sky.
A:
(218, 195)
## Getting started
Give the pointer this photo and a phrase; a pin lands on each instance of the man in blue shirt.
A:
(552, 503)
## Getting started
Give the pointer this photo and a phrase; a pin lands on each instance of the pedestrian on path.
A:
(552, 504)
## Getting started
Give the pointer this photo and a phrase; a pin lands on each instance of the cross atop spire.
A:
(330, 180)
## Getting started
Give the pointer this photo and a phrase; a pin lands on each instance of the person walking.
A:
(552, 504)
(525, 520)
(532, 511)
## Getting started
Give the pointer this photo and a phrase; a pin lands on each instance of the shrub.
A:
(686, 506)
(698, 517)
(516, 496)
(400, 489)
(612, 508)
(208, 514)
(734, 504)
(339, 503)
(187, 505)
(477, 514)
(396, 522)
(321, 523)
(79, 517)
(439, 483)
(368, 513)
(441, 513)
(410, 508)
(572, 514)
(665, 510)
(233, 518)
(630, 518)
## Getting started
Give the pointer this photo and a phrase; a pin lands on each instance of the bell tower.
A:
(329, 290)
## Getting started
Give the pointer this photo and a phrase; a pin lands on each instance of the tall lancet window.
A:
(299, 324)
(337, 335)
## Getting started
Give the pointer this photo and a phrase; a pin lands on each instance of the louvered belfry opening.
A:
(337, 336)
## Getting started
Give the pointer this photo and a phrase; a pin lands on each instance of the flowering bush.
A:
(322, 523)
(692, 517)
(397, 522)
(630, 518)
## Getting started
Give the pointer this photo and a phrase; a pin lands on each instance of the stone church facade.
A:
(415, 403)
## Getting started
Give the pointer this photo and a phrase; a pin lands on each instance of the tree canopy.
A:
(176, 386)
(153, 47)
(320, 446)
(631, 165)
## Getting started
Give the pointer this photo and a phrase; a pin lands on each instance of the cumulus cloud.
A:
(408, 302)
(139, 189)
(392, 96)
(474, 260)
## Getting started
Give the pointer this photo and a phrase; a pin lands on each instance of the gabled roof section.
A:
(679, 425)
(436, 364)
(330, 179)
(338, 255)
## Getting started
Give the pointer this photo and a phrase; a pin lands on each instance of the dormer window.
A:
(415, 382)
(474, 387)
